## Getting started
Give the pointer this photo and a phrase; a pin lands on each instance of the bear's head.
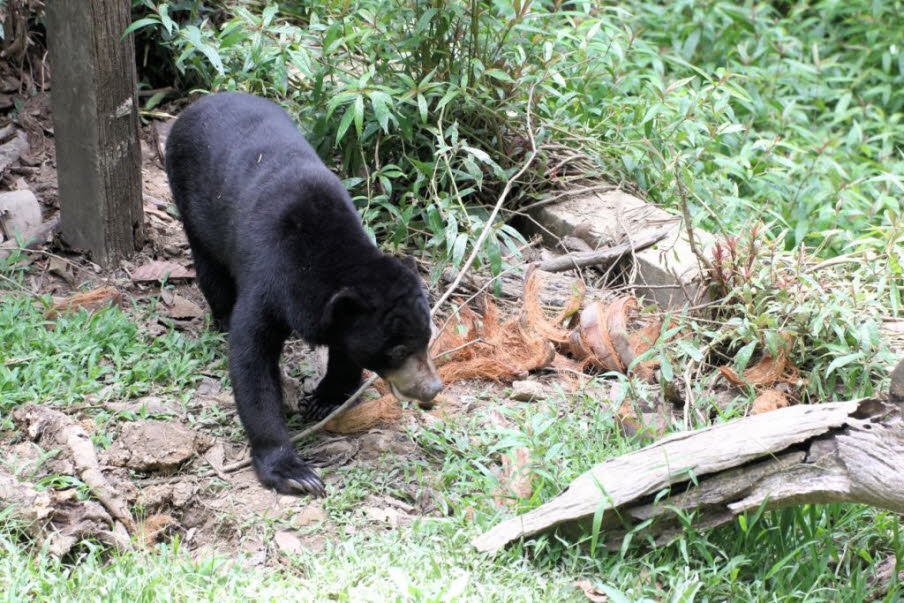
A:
(382, 323)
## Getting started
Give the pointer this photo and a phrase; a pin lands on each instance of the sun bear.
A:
(279, 248)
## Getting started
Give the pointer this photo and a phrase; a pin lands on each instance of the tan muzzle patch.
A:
(415, 379)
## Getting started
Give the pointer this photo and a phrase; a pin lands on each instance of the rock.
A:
(387, 515)
(667, 273)
(20, 214)
(311, 514)
(208, 387)
(11, 151)
(182, 308)
(288, 543)
(528, 391)
(156, 446)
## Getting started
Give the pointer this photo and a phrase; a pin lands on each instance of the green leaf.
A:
(193, 35)
(422, 107)
(842, 361)
(498, 74)
(140, 23)
(665, 368)
(268, 14)
(449, 96)
(742, 358)
(359, 115)
(379, 102)
(345, 122)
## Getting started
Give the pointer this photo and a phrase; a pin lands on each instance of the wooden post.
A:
(95, 115)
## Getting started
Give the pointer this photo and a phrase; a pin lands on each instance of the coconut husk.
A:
(611, 336)
(768, 371)
(367, 415)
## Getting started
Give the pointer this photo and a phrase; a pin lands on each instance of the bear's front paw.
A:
(314, 408)
(283, 470)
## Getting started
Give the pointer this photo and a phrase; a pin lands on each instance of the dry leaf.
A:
(387, 515)
(605, 337)
(769, 370)
(62, 269)
(591, 592)
(184, 308)
(769, 400)
(159, 270)
(155, 527)
(311, 514)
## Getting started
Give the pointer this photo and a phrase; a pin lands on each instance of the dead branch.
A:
(612, 254)
(51, 428)
(835, 452)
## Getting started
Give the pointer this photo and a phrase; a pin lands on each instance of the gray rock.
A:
(667, 273)
(528, 391)
(20, 213)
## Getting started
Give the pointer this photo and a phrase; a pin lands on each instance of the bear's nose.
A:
(431, 388)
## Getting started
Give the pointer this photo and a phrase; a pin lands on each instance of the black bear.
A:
(278, 247)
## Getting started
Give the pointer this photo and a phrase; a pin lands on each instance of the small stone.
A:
(387, 515)
(208, 386)
(311, 514)
(288, 543)
(12, 150)
(528, 391)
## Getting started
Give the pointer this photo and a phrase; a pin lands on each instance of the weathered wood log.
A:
(835, 452)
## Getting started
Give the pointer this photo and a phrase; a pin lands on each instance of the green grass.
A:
(104, 353)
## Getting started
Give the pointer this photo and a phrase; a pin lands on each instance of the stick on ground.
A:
(603, 256)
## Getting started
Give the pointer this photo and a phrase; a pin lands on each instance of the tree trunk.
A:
(95, 117)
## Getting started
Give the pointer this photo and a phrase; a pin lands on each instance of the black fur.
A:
(278, 247)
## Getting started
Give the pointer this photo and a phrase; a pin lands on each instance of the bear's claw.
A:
(284, 471)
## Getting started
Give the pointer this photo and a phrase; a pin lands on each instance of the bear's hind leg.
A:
(218, 287)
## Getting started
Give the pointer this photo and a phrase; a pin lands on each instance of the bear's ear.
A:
(341, 306)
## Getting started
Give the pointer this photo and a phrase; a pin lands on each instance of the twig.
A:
(581, 260)
(215, 469)
(601, 188)
(489, 224)
(310, 430)
(688, 225)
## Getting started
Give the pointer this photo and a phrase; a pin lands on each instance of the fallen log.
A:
(835, 452)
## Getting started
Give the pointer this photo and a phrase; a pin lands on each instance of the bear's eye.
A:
(398, 353)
